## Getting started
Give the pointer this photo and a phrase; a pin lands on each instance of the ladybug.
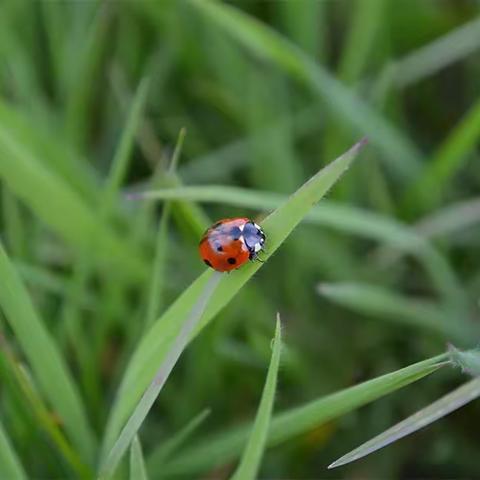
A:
(230, 242)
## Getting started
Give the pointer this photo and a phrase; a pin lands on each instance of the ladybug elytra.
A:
(230, 243)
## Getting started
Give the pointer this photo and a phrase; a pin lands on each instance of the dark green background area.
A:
(386, 277)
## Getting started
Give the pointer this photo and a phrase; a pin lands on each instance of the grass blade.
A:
(161, 244)
(157, 342)
(442, 407)
(158, 457)
(252, 455)
(381, 303)
(45, 359)
(450, 219)
(267, 44)
(438, 54)
(148, 399)
(10, 466)
(122, 156)
(225, 447)
(68, 215)
(446, 162)
(137, 463)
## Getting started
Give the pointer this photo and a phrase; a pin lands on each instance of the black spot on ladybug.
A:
(231, 261)
(219, 248)
(207, 262)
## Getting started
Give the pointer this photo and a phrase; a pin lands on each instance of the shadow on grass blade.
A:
(442, 407)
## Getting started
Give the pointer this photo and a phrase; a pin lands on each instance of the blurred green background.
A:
(384, 275)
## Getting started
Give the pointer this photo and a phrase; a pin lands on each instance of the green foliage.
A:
(137, 462)
(100, 222)
(438, 409)
(251, 457)
(10, 466)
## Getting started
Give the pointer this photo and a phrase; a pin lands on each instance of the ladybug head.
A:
(254, 238)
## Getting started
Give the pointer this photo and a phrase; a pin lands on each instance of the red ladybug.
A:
(230, 242)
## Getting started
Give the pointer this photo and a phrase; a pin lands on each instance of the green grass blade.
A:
(85, 60)
(437, 55)
(45, 359)
(439, 409)
(366, 22)
(450, 220)
(10, 466)
(384, 304)
(267, 44)
(50, 149)
(305, 24)
(447, 161)
(160, 455)
(157, 342)
(122, 155)
(225, 447)
(148, 399)
(137, 462)
(252, 455)
(161, 247)
(68, 215)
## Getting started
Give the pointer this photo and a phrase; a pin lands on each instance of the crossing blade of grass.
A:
(252, 455)
(10, 466)
(224, 447)
(123, 152)
(450, 219)
(157, 342)
(148, 399)
(160, 455)
(384, 304)
(45, 359)
(158, 273)
(438, 54)
(442, 407)
(137, 462)
(267, 44)
(345, 218)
